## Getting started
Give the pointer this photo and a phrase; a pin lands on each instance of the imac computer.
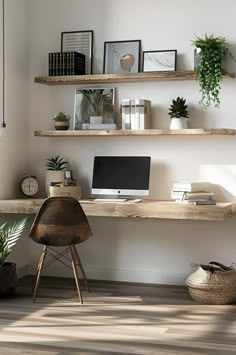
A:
(121, 175)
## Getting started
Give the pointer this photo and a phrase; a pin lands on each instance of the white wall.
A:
(14, 155)
(129, 249)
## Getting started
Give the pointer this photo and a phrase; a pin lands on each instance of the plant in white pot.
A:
(62, 121)
(178, 112)
(55, 172)
(10, 232)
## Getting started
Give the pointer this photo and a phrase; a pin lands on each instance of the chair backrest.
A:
(60, 221)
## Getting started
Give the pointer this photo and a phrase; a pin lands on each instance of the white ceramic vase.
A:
(178, 123)
(53, 176)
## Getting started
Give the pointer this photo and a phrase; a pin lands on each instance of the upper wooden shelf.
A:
(146, 132)
(120, 78)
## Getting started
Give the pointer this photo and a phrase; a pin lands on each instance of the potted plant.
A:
(62, 121)
(96, 105)
(55, 172)
(213, 52)
(178, 112)
(9, 234)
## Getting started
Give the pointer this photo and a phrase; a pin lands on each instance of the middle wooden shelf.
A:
(146, 132)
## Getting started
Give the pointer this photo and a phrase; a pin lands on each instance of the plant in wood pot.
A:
(212, 54)
(55, 172)
(62, 121)
(178, 112)
(10, 232)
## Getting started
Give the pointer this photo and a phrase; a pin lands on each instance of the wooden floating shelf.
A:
(146, 132)
(146, 209)
(120, 78)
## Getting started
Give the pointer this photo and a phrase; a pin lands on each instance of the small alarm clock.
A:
(29, 185)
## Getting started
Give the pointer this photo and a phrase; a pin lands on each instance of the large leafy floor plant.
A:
(9, 235)
(214, 51)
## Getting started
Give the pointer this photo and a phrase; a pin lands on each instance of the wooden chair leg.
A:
(73, 261)
(81, 267)
(40, 266)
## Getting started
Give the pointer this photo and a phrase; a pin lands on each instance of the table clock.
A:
(29, 185)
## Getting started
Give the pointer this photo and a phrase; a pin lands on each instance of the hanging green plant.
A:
(214, 51)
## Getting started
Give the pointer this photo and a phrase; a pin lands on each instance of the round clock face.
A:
(29, 186)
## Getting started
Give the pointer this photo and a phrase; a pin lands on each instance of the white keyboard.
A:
(110, 199)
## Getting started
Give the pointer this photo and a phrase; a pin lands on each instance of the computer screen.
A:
(121, 175)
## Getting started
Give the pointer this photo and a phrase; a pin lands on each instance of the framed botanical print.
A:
(121, 57)
(159, 60)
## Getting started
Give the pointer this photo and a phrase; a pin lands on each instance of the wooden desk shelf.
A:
(146, 209)
(146, 132)
(120, 78)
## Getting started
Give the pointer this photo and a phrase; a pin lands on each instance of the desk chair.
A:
(60, 222)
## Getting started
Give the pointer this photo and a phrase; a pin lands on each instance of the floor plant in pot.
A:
(10, 232)
(62, 121)
(213, 52)
(178, 112)
(55, 172)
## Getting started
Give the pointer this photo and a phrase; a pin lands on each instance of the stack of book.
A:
(196, 192)
(136, 114)
(66, 63)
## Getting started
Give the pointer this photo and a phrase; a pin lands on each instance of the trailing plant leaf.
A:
(178, 108)
(209, 72)
(56, 163)
(9, 235)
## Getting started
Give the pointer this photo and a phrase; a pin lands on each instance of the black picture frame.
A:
(122, 57)
(160, 60)
(82, 42)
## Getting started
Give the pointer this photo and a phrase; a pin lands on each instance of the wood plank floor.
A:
(116, 318)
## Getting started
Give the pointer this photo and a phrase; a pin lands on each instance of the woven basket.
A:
(213, 285)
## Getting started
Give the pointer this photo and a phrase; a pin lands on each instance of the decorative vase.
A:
(54, 176)
(61, 125)
(8, 279)
(178, 123)
(197, 57)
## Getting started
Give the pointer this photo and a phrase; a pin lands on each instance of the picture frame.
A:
(93, 108)
(121, 57)
(159, 60)
(82, 42)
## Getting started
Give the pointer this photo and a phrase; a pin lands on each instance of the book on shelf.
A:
(191, 186)
(136, 114)
(66, 63)
(203, 201)
(98, 126)
(182, 195)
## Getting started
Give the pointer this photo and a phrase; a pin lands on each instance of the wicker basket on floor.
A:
(213, 284)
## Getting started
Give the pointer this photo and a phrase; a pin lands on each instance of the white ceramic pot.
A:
(53, 176)
(178, 123)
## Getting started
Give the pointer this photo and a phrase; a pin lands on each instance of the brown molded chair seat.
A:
(60, 222)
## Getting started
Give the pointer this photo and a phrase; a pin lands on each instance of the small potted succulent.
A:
(10, 232)
(178, 112)
(62, 121)
(55, 172)
(212, 52)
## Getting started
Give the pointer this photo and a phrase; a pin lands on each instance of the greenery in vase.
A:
(178, 108)
(9, 235)
(214, 51)
(56, 164)
(62, 117)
